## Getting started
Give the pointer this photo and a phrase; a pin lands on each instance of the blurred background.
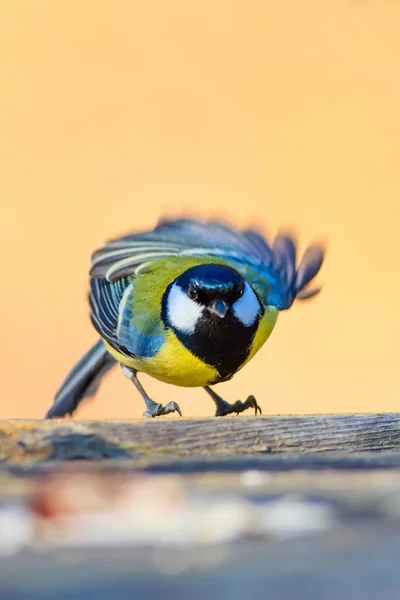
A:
(283, 113)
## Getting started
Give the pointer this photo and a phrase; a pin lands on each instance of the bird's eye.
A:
(241, 291)
(193, 293)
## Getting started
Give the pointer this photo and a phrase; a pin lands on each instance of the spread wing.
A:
(276, 262)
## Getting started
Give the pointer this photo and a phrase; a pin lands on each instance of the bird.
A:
(189, 302)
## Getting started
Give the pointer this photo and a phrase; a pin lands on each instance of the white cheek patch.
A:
(183, 313)
(247, 308)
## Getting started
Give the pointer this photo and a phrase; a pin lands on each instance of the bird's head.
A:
(213, 311)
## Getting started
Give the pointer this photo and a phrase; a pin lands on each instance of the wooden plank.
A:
(321, 501)
(35, 441)
(194, 464)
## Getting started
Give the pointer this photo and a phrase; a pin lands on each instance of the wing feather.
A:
(105, 299)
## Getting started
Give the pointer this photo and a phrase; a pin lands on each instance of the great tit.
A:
(189, 303)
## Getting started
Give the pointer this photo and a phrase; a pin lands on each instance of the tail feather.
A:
(82, 382)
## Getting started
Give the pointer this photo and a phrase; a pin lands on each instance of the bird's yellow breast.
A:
(264, 330)
(176, 365)
(172, 364)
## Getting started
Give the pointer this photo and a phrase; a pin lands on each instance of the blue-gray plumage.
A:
(189, 303)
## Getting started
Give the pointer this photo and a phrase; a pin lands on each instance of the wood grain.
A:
(341, 462)
(38, 441)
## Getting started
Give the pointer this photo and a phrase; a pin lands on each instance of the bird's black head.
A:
(215, 314)
(213, 287)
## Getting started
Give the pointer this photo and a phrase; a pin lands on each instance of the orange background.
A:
(283, 112)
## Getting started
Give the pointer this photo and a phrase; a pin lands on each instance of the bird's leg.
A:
(153, 409)
(224, 408)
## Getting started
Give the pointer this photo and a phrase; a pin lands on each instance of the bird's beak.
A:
(218, 307)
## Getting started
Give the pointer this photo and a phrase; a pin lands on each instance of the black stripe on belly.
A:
(221, 343)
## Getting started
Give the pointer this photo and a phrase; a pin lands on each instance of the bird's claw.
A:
(159, 410)
(224, 408)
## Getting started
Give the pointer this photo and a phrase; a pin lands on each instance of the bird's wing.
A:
(113, 317)
(105, 299)
(275, 262)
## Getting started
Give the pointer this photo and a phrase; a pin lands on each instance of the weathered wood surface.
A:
(36, 441)
(283, 507)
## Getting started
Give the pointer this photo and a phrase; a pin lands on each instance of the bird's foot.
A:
(156, 410)
(153, 409)
(225, 408)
